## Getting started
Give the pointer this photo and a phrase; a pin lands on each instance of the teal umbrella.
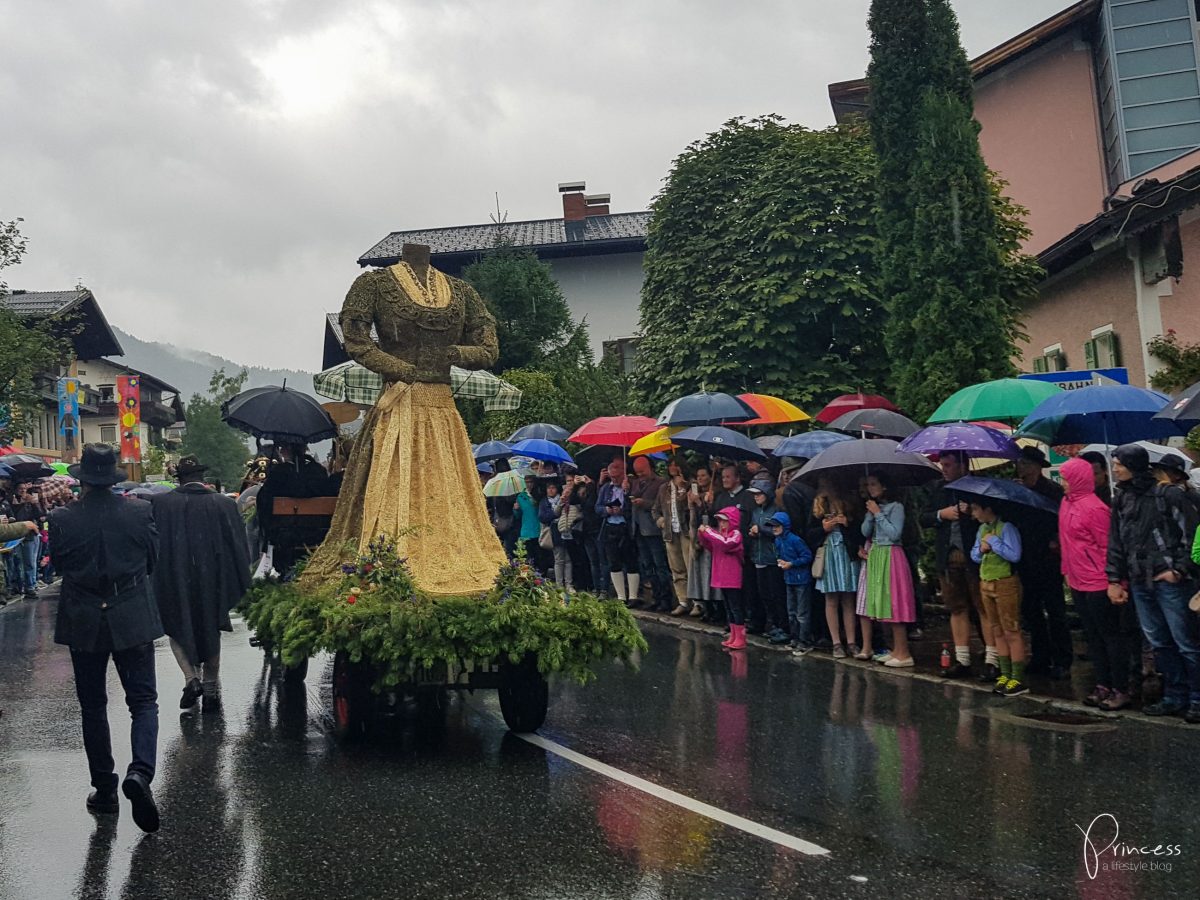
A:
(1003, 400)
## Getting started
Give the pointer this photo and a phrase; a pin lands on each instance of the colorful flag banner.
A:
(129, 417)
(68, 412)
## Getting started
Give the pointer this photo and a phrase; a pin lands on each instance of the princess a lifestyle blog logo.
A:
(1103, 851)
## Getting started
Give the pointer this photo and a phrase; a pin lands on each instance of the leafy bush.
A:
(377, 613)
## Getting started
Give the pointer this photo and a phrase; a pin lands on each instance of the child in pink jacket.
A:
(725, 545)
(1083, 521)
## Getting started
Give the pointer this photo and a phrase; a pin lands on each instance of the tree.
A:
(218, 446)
(531, 312)
(953, 272)
(761, 266)
(30, 348)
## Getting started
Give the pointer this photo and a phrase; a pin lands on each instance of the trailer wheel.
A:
(524, 695)
(351, 698)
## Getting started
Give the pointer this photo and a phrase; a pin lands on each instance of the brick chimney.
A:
(578, 206)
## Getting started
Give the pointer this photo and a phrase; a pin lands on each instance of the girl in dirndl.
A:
(839, 579)
(887, 593)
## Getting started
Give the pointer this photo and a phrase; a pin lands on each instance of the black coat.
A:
(105, 548)
(204, 569)
(798, 499)
(943, 496)
(744, 501)
(1151, 532)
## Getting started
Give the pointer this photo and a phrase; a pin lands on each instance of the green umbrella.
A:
(1002, 400)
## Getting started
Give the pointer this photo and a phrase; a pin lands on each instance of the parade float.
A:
(410, 590)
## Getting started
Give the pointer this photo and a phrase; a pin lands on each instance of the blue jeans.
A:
(1172, 631)
(135, 666)
(799, 609)
(30, 551)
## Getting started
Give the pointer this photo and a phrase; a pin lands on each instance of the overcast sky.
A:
(212, 170)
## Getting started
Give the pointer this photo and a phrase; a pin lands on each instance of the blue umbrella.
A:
(965, 438)
(706, 408)
(806, 446)
(1104, 414)
(485, 468)
(491, 450)
(546, 451)
(716, 441)
(541, 431)
(1008, 492)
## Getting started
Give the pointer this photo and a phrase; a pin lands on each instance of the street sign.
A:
(1081, 378)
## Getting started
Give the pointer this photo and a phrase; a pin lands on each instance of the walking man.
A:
(105, 547)
(203, 572)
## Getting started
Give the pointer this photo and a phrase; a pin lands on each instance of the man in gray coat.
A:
(105, 547)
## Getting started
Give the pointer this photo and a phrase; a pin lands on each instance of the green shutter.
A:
(1109, 349)
(1039, 364)
(1089, 355)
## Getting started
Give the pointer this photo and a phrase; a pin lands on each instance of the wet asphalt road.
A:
(914, 789)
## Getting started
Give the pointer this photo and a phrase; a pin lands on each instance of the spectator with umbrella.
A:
(292, 473)
(997, 549)
(733, 493)
(701, 510)
(644, 489)
(672, 514)
(837, 539)
(1149, 559)
(889, 596)
(615, 509)
(1043, 603)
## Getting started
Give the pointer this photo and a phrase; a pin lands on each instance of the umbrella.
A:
(707, 408)
(279, 414)
(656, 442)
(26, 467)
(769, 442)
(1007, 492)
(806, 446)
(1106, 414)
(717, 441)
(772, 410)
(1185, 408)
(492, 450)
(591, 460)
(876, 456)
(1155, 451)
(614, 431)
(545, 450)
(875, 423)
(6, 473)
(485, 468)
(1005, 399)
(850, 402)
(969, 440)
(352, 383)
(60, 468)
(540, 431)
(506, 484)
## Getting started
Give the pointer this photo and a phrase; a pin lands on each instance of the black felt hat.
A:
(98, 466)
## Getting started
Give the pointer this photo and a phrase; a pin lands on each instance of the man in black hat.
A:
(203, 572)
(105, 548)
(1043, 602)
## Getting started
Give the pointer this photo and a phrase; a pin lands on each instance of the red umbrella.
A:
(614, 431)
(839, 406)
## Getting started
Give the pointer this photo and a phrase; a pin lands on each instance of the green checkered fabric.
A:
(352, 383)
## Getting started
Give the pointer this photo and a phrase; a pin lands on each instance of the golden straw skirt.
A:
(411, 470)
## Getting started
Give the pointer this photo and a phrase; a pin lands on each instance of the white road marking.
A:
(681, 800)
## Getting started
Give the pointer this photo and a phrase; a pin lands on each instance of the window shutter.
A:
(1039, 364)
(1108, 350)
(1089, 354)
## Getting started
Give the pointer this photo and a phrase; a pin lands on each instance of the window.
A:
(108, 393)
(1103, 351)
(108, 434)
(1052, 360)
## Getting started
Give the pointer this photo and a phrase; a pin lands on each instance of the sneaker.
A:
(1165, 707)
(1097, 696)
(882, 656)
(1001, 685)
(802, 650)
(990, 672)
(839, 651)
(1192, 716)
(1015, 688)
(779, 636)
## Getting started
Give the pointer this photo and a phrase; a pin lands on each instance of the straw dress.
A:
(411, 474)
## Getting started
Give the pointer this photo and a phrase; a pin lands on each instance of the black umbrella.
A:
(706, 408)
(492, 450)
(1006, 493)
(25, 467)
(591, 460)
(539, 431)
(871, 457)
(716, 441)
(875, 423)
(279, 414)
(1184, 409)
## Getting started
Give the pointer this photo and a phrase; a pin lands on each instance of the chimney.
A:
(574, 201)
(597, 204)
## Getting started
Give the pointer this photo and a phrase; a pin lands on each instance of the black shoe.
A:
(990, 673)
(145, 813)
(212, 699)
(1038, 667)
(1165, 707)
(103, 802)
(191, 693)
(1059, 673)
(1192, 716)
(957, 670)
(31, 595)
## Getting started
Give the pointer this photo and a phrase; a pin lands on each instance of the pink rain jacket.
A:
(726, 551)
(1083, 521)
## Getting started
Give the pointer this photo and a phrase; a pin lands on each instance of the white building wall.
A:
(603, 289)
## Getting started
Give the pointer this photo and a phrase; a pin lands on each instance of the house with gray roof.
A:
(595, 256)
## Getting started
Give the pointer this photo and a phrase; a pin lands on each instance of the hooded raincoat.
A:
(726, 549)
(1083, 521)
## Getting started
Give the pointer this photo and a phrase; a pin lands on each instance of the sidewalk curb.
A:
(687, 623)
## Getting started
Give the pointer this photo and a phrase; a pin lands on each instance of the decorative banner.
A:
(68, 412)
(129, 417)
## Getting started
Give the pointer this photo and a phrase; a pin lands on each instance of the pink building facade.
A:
(1093, 119)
